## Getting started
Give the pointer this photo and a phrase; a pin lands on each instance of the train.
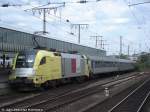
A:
(43, 68)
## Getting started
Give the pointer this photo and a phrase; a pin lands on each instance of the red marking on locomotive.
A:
(73, 65)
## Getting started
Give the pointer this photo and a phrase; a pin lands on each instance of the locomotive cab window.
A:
(43, 61)
(25, 60)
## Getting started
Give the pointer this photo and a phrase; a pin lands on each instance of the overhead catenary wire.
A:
(140, 3)
(144, 29)
(48, 23)
(132, 13)
(66, 21)
(64, 3)
(135, 17)
(52, 24)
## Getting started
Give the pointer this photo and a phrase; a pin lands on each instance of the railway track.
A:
(145, 104)
(56, 100)
(135, 100)
(51, 104)
(15, 97)
(81, 103)
(30, 99)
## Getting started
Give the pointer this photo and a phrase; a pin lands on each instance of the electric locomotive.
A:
(42, 68)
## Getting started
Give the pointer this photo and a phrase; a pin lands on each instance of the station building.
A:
(12, 40)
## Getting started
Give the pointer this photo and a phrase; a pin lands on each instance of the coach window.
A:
(107, 64)
(92, 63)
(115, 64)
(95, 64)
(43, 61)
(104, 64)
(99, 63)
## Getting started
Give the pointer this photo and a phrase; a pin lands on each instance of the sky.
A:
(107, 18)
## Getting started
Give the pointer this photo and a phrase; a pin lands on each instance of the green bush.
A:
(143, 62)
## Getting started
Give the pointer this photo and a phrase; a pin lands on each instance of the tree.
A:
(143, 61)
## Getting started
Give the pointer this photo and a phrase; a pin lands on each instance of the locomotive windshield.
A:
(25, 60)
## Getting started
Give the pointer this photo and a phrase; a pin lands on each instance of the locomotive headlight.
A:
(29, 61)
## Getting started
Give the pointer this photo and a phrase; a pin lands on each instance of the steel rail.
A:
(122, 101)
(88, 92)
(12, 103)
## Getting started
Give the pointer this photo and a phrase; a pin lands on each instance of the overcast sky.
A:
(108, 18)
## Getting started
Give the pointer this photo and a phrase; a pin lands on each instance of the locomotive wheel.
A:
(45, 86)
(91, 76)
(52, 83)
